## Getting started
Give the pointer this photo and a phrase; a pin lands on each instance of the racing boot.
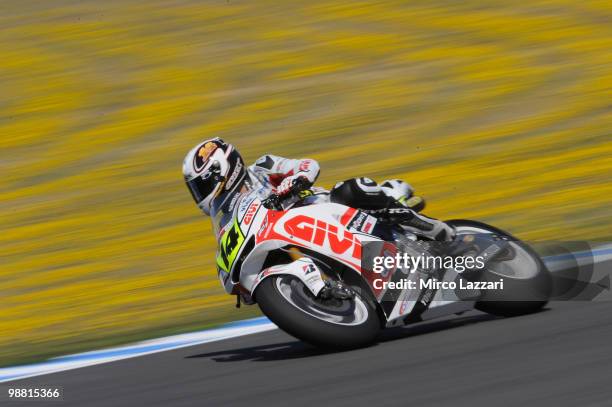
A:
(403, 193)
(422, 225)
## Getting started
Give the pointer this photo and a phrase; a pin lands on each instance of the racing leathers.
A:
(387, 201)
(276, 174)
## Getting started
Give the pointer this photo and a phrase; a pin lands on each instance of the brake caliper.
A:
(336, 290)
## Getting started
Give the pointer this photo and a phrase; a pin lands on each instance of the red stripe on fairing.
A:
(348, 215)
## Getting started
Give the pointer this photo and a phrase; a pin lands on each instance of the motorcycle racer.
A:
(303, 258)
(214, 166)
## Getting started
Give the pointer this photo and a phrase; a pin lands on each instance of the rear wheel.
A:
(328, 323)
(526, 280)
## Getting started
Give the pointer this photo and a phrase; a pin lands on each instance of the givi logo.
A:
(250, 212)
(319, 233)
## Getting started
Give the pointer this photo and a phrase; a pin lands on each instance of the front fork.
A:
(303, 268)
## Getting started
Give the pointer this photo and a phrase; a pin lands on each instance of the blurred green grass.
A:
(497, 111)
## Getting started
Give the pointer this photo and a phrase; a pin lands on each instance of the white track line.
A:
(60, 364)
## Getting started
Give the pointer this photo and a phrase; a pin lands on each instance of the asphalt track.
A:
(558, 357)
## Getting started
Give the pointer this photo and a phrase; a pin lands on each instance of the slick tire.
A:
(527, 281)
(292, 312)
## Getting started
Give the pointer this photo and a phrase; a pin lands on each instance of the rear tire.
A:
(300, 322)
(524, 293)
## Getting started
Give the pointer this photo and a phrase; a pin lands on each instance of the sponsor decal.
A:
(267, 226)
(362, 222)
(233, 202)
(266, 229)
(427, 297)
(262, 229)
(234, 176)
(250, 213)
(305, 165)
(357, 221)
(322, 234)
(204, 152)
(308, 268)
(244, 203)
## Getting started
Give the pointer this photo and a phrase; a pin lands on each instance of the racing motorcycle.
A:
(303, 265)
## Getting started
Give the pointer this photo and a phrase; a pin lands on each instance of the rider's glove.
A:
(288, 184)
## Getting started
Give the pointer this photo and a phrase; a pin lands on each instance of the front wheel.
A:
(527, 281)
(330, 323)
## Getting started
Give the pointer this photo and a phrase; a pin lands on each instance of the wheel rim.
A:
(340, 312)
(519, 265)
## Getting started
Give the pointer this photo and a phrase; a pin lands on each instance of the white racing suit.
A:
(271, 173)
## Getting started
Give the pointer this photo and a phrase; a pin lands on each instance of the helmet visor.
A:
(201, 187)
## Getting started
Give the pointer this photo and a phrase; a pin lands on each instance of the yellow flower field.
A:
(498, 111)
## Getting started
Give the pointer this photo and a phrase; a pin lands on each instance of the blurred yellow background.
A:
(497, 111)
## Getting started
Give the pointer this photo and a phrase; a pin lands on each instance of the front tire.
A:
(527, 281)
(345, 324)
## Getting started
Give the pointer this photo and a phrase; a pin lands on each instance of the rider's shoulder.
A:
(268, 161)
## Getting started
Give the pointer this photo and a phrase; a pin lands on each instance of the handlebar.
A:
(275, 201)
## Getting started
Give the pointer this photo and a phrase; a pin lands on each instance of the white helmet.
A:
(210, 168)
